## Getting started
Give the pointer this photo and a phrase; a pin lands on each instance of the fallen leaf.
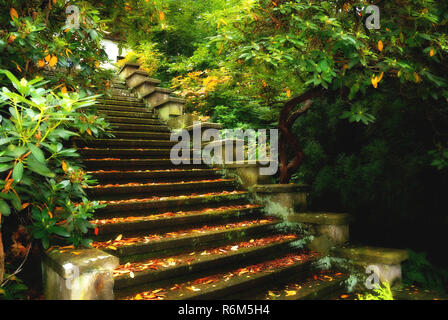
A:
(193, 288)
(13, 13)
(290, 293)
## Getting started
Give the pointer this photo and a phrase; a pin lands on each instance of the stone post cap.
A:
(247, 164)
(128, 64)
(321, 218)
(169, 100)
(205, 125)
(139, 72)
(280, 188)
(366, 255)
(66, 261)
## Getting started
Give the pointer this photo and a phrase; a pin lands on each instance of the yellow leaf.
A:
(374, 82)
(272, 294)
(119, 237)
(76, 253)
(138, 297)
(18, 67)
(381, 76)
(131, 274)
(13, 13)
(41, 63)
(288, 93)
(162, 16)
(431, 53)
(12, 38)
(112, 247)
(64, 90)
(53, 61)
(67, 51)
(417, 77)
(48, 58)
(380, 45)
(193, 288)
(290, 293)
(89, 132)
(64, 166)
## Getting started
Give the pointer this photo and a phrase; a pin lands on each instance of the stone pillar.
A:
(282, 199)
(136, 78)
(78, 274)
(127, 70)
(382, 262)
(329, 229)
(248, 174)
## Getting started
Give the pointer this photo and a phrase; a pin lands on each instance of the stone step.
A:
(159, 188)
(123, 153)
(121, 93)
(120, 114)
(235, 253)
(159, 203)
(104, 107)
(187, 239)
(139, 127)
(141, 135)
(154, 175)
(317, 286)
(127, 143)
(122, 103)
(133, 121)
(226, 284)
(125, 164)
(165, 220)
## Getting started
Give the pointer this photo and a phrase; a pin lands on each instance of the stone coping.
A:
(170, 99)
(143, 73)
(223, 142)
(128, 65)
(155, 90)
(280, 188)
(323, 218)
(63, 261)
(205, 125)
(245, 164)
(150, 81)
(365, 254)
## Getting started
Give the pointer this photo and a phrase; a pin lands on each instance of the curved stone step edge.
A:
(189, 241)
(171, 202)
(187, 219)
(203, 263)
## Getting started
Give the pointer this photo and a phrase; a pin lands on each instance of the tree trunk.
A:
(286, 121)
(2, 254)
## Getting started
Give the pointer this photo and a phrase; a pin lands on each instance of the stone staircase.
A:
(181, 232)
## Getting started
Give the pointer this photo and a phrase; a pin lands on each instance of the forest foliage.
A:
(373, 142)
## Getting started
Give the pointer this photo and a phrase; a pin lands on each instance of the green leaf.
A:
(37, 152)
(17, 173)
(5, 167)
(60, 231)
(4, 208)
(34, 165)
